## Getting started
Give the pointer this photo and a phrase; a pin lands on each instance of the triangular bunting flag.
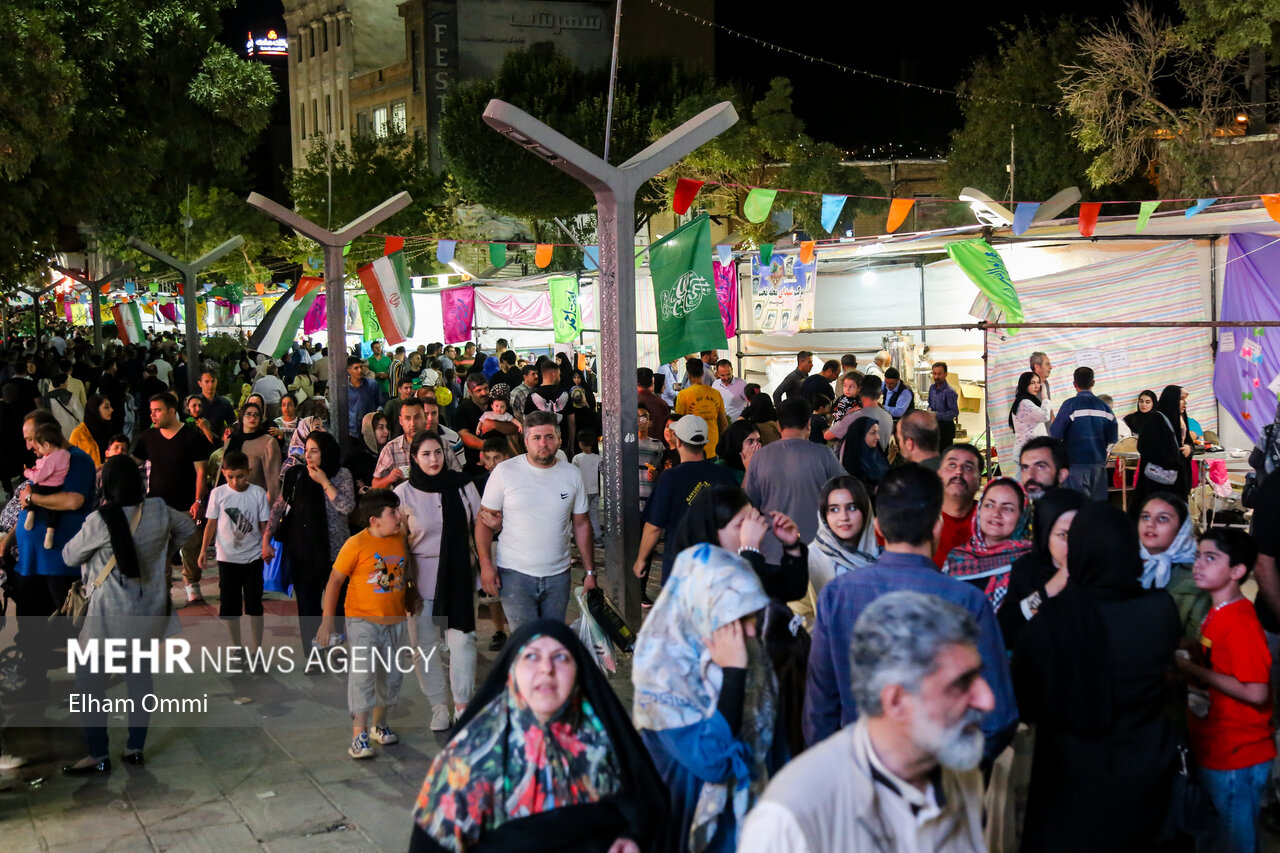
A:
(686, 189)
(392, 245)
(1144, 213)
(831, 207)
(806, 251)
(1271, 202)
(542, 255)
(498, 255)
(898, 210)
(759, 201)
(1200, 205)
(445, 250)
(346, 250)
(260, 288)
(1089, 217)
(591, 257)
(766, 254)
(1023, 215)
(725, 253)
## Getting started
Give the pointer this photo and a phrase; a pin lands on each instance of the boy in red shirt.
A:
(1232, 741)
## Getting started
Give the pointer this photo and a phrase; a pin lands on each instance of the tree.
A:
(156, 104)
(1147, 94)
(1016, 91)
(490, 170)
(1230, 27)
(766, 148)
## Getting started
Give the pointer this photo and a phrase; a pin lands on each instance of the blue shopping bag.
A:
(276, 574)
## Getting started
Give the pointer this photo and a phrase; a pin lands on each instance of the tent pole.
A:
(986, 396)
(1213, 294)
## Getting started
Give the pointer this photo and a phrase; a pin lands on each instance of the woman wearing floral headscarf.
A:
(705, 693)
(1000, 536)
(544, 757)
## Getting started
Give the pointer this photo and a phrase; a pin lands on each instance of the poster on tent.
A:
(1164, 281)
(782, 296)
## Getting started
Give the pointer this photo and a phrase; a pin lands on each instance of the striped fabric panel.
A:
(1162, 284)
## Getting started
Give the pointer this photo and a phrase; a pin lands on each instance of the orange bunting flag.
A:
(392, 245)
(260, 287)
(1271, 201)
(1089, 217)
(898, 210)
(542, 256)
(686, 189)
(106, 288)
(806, 251)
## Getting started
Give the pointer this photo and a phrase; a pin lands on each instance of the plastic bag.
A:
(593, 636)
(276, 576)
(609, 618)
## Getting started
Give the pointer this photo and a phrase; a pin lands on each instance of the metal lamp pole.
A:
(95, 291)
(334, 268)
(189, 272)
(615, 189)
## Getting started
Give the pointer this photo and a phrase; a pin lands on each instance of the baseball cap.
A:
(691, 430)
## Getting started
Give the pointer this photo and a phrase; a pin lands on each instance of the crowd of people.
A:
(850, 641)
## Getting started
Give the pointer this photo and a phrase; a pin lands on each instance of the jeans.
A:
(424, 633)
(1089, 480)
(1237, 795)
(94, 684)
(525, 598)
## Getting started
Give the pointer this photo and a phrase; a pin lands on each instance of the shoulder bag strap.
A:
(111, 564)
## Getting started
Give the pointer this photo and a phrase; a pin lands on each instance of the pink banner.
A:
(169, 311)
(531, 310)
(66, 305)
(314, 319)
(727, 295)
(458, 309)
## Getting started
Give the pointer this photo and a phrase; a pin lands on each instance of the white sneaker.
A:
(360, 747)
(11, 762)
(440, 718)
(194, 596)
(384, 735)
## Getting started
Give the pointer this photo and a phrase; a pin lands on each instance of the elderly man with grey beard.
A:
(904, 776)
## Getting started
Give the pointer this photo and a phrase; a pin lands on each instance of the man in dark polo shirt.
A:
(177, 453)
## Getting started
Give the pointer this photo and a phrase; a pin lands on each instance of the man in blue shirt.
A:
(909, 516)
(898, 398)
(945, 404)
(1087, 427)
(363, 396)
(41, 578)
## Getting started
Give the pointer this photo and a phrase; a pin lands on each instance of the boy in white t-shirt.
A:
(238, 513)
(588, 462)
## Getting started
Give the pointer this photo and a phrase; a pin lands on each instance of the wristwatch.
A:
(591, 573)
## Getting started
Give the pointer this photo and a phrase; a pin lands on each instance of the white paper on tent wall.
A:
(1251, 350)
(1227, 341)
(1089, 358)
(1274, 387)
(1117, 359)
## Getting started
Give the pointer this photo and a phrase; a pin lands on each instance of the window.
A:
(315, 116)
(302, 121)
(415, 59)
(337, 32)
(312, 40)
(296, 47)
(362, 122)
(380, 124)
(398, 117)
(324, 34)
(328, 114)
(342, 114)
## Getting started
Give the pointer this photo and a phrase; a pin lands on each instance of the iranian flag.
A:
(279, 328)
(128, 322)
(388, 287)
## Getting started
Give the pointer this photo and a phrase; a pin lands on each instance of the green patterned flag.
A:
(369, 318)
(566, 313)
(985, 268)
(684, 291)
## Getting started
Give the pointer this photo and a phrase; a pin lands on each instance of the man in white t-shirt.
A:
(535, 499)
(733, 389)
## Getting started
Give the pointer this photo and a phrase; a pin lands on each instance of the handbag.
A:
(1164, 476)
(1191, 812)
(76, 605)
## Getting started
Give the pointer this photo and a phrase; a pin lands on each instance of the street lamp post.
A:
(615, 189)
(333, 243)
(189, 272)
(95, 292)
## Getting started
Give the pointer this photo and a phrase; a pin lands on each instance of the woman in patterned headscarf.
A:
(1000, 535)
(544, 756)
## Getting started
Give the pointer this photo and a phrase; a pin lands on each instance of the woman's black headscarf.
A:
(1135, 419)
(729, 448)
(711, 510)
(1104, 563)
(238, 436)
(1047, 512)
(98, 428)
(639, 811)
(868, 464)
(760, 409)
(452, 605)
(1170, 405)
(121, 487)
(1023, 393)
(307, 527)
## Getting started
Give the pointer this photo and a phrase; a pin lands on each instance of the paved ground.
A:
(270, 774)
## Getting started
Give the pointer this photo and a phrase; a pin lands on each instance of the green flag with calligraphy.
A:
(684, 292)
(566, 312)
(985, 268)
(369, 318)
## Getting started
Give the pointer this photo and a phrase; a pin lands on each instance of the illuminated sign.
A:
(272, 45)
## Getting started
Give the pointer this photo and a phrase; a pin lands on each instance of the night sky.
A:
(866, 117)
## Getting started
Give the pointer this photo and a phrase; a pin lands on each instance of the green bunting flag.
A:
(684, 292)
(1144, 213)
(985, 268)
(766, 255)
(759, 201)
(369, 318)
(498, 255)
(566, 312)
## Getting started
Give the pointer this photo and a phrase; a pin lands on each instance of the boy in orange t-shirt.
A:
(1233, 741)
(374, 561)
